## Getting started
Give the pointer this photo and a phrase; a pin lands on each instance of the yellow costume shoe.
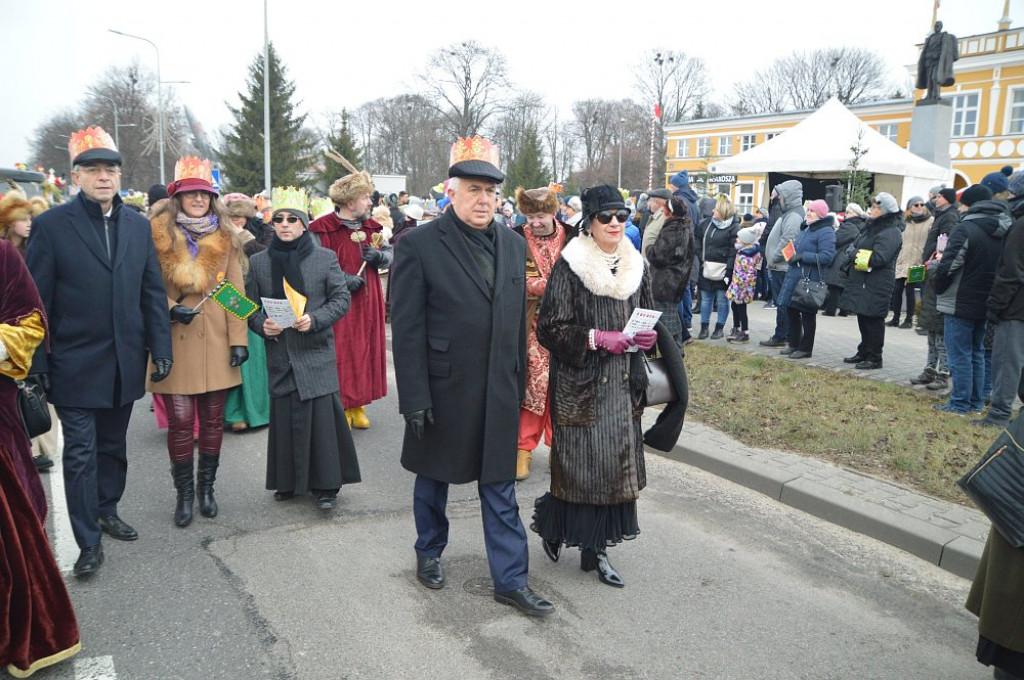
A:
(348, 417)
(360, 421)
(523, 460)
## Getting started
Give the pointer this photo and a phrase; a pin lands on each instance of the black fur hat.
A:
(596, 199)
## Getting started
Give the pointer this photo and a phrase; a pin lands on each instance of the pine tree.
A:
(339, 139)
(858, 181)
(290, 144)
(528, 169)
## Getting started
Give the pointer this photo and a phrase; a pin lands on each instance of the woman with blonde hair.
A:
(918, 219)
(197, 250)
(715, 238)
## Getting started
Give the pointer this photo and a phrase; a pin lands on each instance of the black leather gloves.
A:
(239, 355)
(163, 369)
(372, 257)
(418, 421)
(183, 314)
(354, 282)
(41, 379)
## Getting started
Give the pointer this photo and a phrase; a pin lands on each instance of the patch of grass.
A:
(874, 427)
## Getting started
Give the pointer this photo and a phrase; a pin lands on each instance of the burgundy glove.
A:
(645, 339)
(615, 342)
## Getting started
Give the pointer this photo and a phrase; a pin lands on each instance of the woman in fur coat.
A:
(197, 250)
(671, 258)
(596, 386)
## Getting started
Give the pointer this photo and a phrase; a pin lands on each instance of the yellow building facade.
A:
(987, 131)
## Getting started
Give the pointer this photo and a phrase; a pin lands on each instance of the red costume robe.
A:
(37, 622)
(359, 342)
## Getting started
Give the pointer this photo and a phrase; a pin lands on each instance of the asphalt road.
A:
(722, 583)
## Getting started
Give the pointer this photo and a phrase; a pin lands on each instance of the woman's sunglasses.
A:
(291, 219)
(605, 216)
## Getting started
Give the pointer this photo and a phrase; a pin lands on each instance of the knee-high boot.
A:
(184, 482)
(205, 478)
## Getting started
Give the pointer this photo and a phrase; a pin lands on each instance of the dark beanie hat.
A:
(157, 192)
(949, 193)
(601, 197)
(975, 193)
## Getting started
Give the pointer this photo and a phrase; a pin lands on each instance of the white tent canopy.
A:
(820, 146)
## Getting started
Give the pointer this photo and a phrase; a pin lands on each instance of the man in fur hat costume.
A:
(545, 237)
(359, 343)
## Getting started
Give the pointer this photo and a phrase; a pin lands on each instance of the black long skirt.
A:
(309, 446)
(588, 527)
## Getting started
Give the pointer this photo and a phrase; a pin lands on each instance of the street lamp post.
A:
(117, 125)
(159, 100)
(622, 121)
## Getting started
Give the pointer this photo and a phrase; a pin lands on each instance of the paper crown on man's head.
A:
(93, 145)
(191, 174)
(475, 158)
(320, 206)
(291, 199)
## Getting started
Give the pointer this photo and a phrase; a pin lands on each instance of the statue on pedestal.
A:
(935, 66)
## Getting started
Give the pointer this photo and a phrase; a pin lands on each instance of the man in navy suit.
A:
(98, 276)
(458, 310)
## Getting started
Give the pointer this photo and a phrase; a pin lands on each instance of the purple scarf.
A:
(195, 228)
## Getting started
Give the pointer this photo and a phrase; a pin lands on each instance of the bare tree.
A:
(672, 80)
(525, 111)
(806, 80)
(465, 83)
(50, 141)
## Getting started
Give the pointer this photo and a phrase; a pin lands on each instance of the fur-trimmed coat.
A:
(202, 348)
(597, 454)
(671, 258)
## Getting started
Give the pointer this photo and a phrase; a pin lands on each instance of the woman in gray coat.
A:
(597, 388)
(309, 446)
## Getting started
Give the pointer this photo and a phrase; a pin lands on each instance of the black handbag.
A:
(660, 389)
(808, 294)
(996, 483)
(35, 412)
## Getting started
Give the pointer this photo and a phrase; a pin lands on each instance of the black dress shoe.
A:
(855, 359)
(284, 495)
(589, 561)
(799, 354)
(868, 365)
(89, 560)
(115, 527)
(526, 601)
(325, 501)
(428, 571)
(42, 462)
(552, 549)
(786, 351)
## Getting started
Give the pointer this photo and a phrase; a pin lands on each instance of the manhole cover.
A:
(482, 585)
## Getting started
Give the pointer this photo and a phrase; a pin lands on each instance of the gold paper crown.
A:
(191, 167)
(320, 206)
(289, 198)
(89, 138)
(475, 148)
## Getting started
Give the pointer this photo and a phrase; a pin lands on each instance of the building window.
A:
(683, 148)
(1017, 112)
(704, 147)
(725, 146)
(890, 132)
(747, 142)
(770, 135)
(965, 115)
(745, 197)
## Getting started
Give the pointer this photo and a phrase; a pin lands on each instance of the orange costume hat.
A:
(191, 174)
(475, 158)
(93, 145)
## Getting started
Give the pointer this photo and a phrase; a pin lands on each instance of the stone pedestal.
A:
(930, 128)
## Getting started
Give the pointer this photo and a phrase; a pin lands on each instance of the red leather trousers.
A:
(181, 417)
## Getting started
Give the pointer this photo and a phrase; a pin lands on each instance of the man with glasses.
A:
(458, 320)
(99, 279)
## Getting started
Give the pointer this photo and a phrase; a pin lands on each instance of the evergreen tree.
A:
(528, 169)
(858, 181)
(290, 144)
(339, 139)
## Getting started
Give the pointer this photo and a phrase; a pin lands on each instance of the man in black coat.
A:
(458, 312)
(98, 276)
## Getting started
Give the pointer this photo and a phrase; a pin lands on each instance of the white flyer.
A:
(641, 320)
(280, 311)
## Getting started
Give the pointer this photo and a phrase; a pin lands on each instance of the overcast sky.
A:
(342, 53)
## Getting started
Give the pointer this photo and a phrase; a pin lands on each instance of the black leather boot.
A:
(590, 560)
(205, 478)
(185, 483)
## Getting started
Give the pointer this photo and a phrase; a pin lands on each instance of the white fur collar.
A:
(587, 261)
